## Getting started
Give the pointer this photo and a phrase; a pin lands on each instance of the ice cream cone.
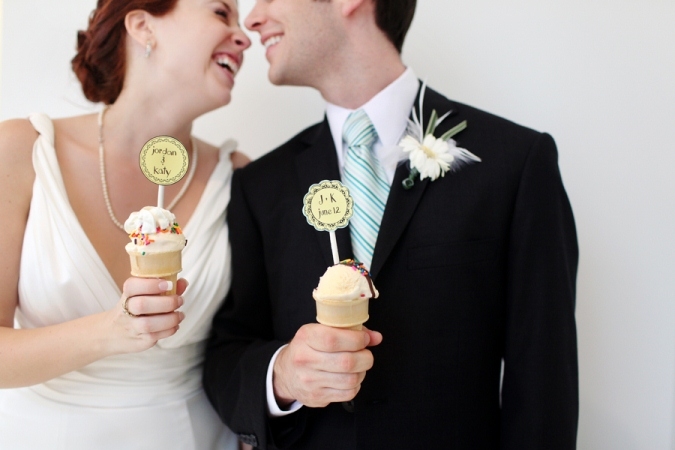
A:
(157, 265)
(350, 314)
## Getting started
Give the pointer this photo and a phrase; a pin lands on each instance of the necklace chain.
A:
(104, 184)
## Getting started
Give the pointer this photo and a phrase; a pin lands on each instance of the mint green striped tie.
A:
(367, 183)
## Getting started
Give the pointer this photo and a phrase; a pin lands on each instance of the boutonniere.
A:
(431, 157)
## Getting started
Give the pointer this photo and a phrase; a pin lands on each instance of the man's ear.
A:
(139, 27)
(348, 7)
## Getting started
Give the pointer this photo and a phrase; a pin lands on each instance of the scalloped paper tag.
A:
(328, 205)
(164, 160)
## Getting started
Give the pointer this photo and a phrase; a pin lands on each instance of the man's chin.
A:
(284, 79)
(281, 76)
(275, 77)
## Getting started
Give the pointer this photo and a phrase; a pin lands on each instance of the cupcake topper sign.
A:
(327, 207)
(164, 161)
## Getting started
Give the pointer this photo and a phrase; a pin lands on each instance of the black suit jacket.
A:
(473, 268)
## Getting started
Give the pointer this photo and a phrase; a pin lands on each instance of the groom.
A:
(475, 345)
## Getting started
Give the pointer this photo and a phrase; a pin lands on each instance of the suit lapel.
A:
(402, 203)
(314, 164)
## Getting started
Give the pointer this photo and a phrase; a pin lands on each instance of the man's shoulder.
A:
(487, 122)
(489, 136)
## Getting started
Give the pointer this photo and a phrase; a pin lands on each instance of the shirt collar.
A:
(388, 110)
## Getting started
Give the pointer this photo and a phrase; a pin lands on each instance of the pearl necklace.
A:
(104, 184)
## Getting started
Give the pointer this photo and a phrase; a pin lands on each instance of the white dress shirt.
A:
(389, 111)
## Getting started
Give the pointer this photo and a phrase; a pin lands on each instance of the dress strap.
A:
(43, 125)
(45, 163)
(227, 147)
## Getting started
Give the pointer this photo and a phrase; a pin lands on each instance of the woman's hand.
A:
(150, 315)
(39, 354)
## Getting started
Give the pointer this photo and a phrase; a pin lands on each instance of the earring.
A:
(148, 49)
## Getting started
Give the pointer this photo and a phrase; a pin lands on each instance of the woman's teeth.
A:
(227, 63)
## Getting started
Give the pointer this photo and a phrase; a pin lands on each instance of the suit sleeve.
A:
(242, 342)
(540, 393)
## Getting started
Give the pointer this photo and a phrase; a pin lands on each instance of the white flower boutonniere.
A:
(432, 157)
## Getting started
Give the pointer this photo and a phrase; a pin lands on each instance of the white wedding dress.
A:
(148, 400)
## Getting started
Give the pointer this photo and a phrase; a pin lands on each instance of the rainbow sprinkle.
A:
(356, 266)
(145, 239)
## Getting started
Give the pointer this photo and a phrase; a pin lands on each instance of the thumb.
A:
(181, 285)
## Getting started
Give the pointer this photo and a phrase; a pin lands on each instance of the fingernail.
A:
(165, 285)
(180, 301)
(181, 315)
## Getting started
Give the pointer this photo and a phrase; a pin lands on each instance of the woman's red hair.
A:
(100, 62)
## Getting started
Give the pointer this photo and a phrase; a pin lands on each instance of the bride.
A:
(76, 371)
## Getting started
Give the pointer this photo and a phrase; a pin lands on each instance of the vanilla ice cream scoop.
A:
(345, 282)
(154, 230)
(342, 295)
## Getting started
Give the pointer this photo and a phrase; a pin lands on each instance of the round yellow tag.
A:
(164, 160)
(328, 205)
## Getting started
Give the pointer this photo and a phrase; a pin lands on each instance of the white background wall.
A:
(599, 75)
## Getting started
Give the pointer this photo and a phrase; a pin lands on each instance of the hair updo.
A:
(100, 62)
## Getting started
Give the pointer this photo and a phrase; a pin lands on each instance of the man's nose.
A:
(256, 17)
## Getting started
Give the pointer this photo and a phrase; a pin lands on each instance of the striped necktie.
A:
(367, 183)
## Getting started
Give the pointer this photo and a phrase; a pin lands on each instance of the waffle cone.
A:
(350, 314)
(157, 265)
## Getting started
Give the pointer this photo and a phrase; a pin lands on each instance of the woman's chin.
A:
(224, 100)
(217, 100)
(222, 93)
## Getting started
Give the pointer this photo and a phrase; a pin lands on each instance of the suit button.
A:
(348, 406)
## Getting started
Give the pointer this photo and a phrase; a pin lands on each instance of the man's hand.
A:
(322, 365)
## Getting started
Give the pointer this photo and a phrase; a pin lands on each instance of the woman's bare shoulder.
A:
(17, 137)
(239, 159)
